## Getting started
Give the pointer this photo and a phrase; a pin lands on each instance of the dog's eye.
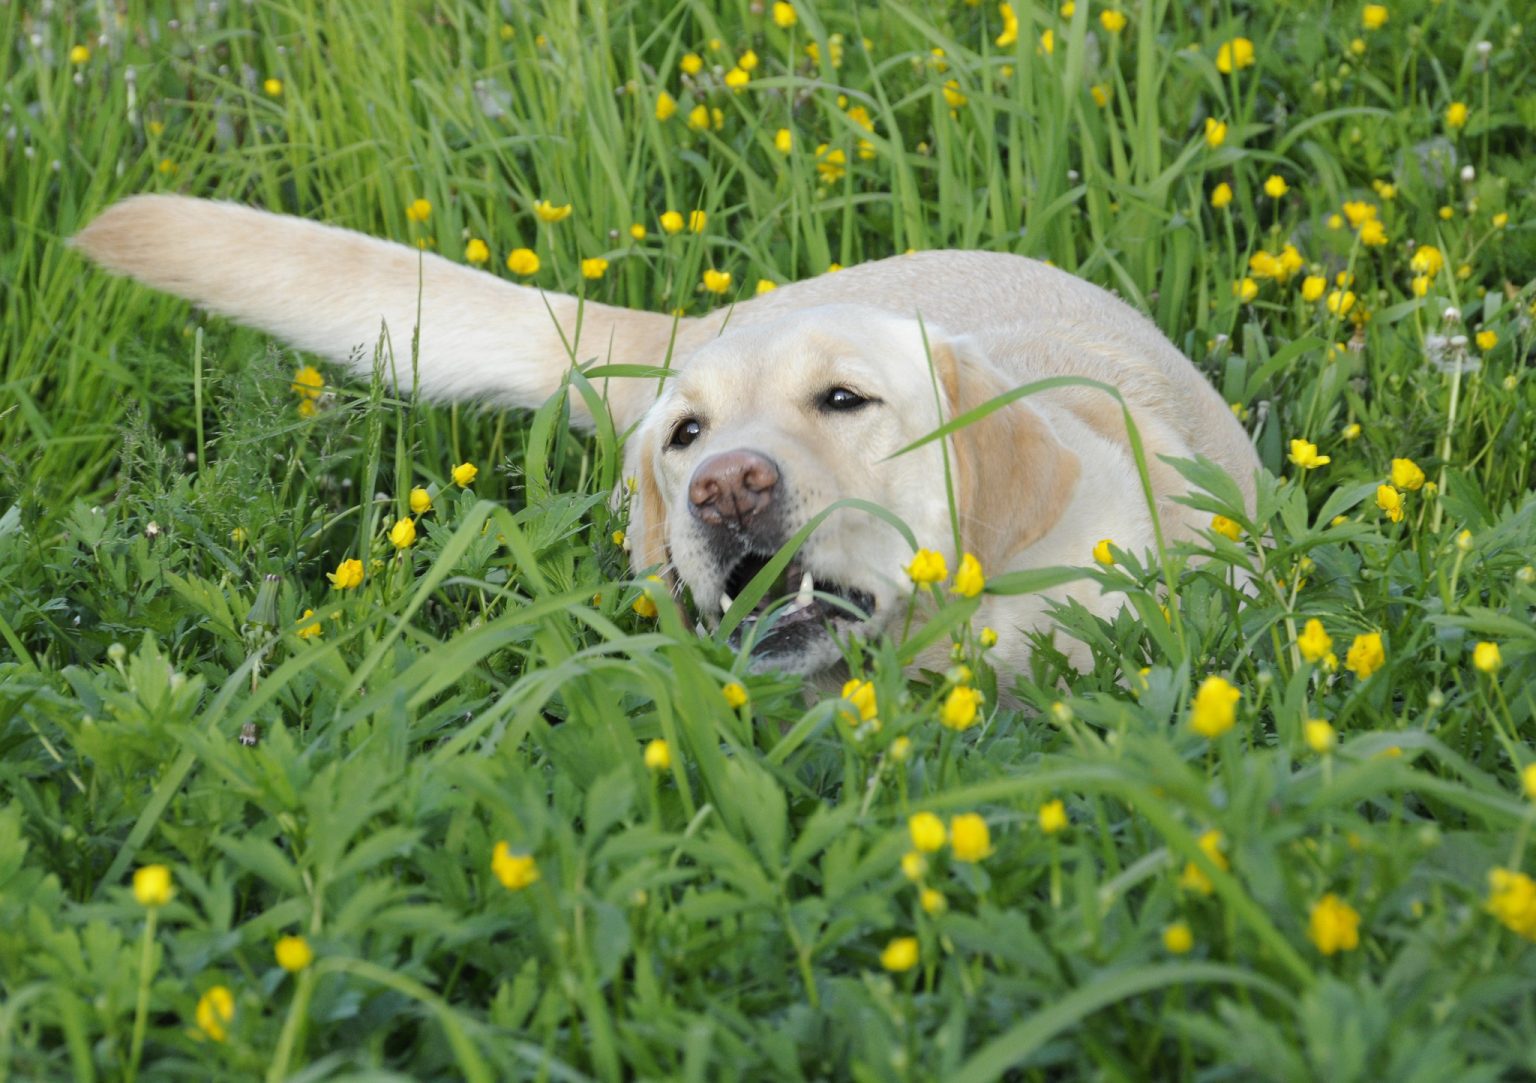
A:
(687, 432)
(840, 398)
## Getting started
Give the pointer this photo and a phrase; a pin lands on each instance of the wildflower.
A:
(1512, 899)
(960, 706)
(862, 695)
(1214, 708)
(645, 605)
(1334, 925)
(783, 140)
(1215, 130)
(1407, 475)
(515, 871)
(1366, 655)
(1314, 642)
(152, 885)
(1390, 501)
(1275, 186)
(969, 581)
(273, 88)
(784, 15)
(1373, 234)
(737, 79)
(1456, 115)
(1178, 939)
(691, 63)
(546, 211)
(594, 268)
(215, 1011)
(928, 566)
(914, 866)
(79, 54)
(1304, 454)
(418, 210)
(697, 220)
(1341, 301)
(969, 838)
(1227, 528)
(927, 832)
(1486, 658)
(1112, 20)
(658, 755)
(1100, 92)
(1048, 42)
(403, 534)
(1427, 260)
(348, 574)
(952, 94)
(1312, 287)
(1234, 55)
(1528, 781)
(666, 106)
(831, 163)
(698, 118)
(1212, 845)
(523, 261)
(1374, 17)
(765, 285)
(717, 281)
(1318, 734)
(987, 638)
(932, 901)
(476, 251)
(1500, 220)
(293, 953)
(464, 475)
(309, 631)
(900, 955)
(671, 222)
(239, 535)
(1010, 32)
(735, 694)
(1053, 817)
(1419, 284)
(1221, 195)
(1487, 340)
(1245, 290)
(1101, 552)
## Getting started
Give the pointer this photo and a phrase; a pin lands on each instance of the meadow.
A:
(340, 741)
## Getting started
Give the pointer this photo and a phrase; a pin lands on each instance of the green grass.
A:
(727, 914)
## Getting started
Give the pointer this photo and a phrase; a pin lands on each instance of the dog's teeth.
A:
(807, 588)
(725, 603)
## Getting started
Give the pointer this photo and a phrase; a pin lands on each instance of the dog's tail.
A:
(334, 293)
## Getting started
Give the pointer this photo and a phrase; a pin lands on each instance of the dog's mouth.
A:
(792, 626)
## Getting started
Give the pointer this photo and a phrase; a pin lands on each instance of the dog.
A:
(774, 409)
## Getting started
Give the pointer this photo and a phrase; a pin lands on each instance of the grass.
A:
(168, 517)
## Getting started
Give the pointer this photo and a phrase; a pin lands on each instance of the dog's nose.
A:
(733, 487)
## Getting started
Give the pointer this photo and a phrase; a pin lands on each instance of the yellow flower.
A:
(969, 838)
(1178, 939)
(960, 706)
(1334, 925)
(1390, 501)
(914, 866)
(928, 566)
(420, 500)
(666, 106)
(523, 261)
(932, 901)
(1112, 20)
(1221, 195)
(900, 955)
(348, 574)
(1528, 781)
(784, 141)
(1312, 287)
(594, 267)
(1314, 642)
(1101, 552)
(765, 285)
(1407, 475)
(464, 474)
(901, 749)
(1245, 290)
(1234, 55)
(546, 211)
(1053, 817)
(1500, 220)
(1101, 93)
(691, 63)
(403, 534)
(1010, 32)
(1226, 527)
(645, 605)
(1366, 655)
(293, 953)
(1373, 234)
(152, 885)
(1214, 708)
(1358, 211)
(658, 755)
(476, 251)
(952, 94)
(273, 88)
(1512, 899)
(969, 581)
(1487, 340)
(418, 210)
(717, 281)
(987, 638)
(1318, 734)
(215, 1010)
(1275, 186)
(1374, 17)
(784, 15)
(1456, 115)
(79, 54)
(1486, 658)
(831, 163)
(1304, 454)
(737, 79)
(862, 695)
(671, 222)
(735, 695)
(515, 871)
(697, 220)
(927, 832)
(309, 631)
(1048, 42)
(1427, 260)
(1215, 130)
(1212, 845)
(1341, 301)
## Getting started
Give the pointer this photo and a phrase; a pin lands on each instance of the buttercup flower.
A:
(80, 54)
(1234, 55)
(1373, 233)
(1486, 658)
(1528, 781)
(716, 281)
(215, 1011)
(969, 838)
(1390, 501)
(403, 534)
(1512, 899)
(546, 211)
(1227, 528)
(1487, 340)
(644, 605)
(1214, 708)
(152, 885)
(1053, 817)
(1245, 290)
(1334, 925)
(1212, 844)
(765, 285)
(928, 566)
(914, 866)
(952, 94)
(1221, 195)
(1112, 20)
(477, 251)
(960, 707)
(273, 88)
(1101, 552)
(1427, 260)
(1304, 454)
(1366, 655)
(900, 954)
(737, 79)
(293, 953)
(671, 222)
(594, 267)
(1319, 735)
(418, 210)
(1374, 17)
(784, 15)
(1215, 130)
(658, 755)
(1314, 642)
(1407, 475)
(691, 63)
(666, 106)
(927, 832)
(348, 574)
(831, 164)
(308, 383)
(697, 220)
(969, 581)
(523, 261)
(1178, 939)
(1010, 32)
(735, 695)
(1275, 186)
(783, 140)
(1456, 115)
(1341, 301)
(420, 500)
(515, 871)
(308, 631)
(862, 695)
(932, 901)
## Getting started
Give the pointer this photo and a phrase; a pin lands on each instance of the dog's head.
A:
(768, 425)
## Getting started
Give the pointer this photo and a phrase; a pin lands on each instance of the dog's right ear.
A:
(647, 533)
(1013, 475)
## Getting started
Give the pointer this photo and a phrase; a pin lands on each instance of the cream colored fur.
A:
(1040, 481)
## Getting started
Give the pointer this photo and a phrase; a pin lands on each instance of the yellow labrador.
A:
(779, 406)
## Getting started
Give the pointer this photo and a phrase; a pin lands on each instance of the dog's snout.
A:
(733, 487)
